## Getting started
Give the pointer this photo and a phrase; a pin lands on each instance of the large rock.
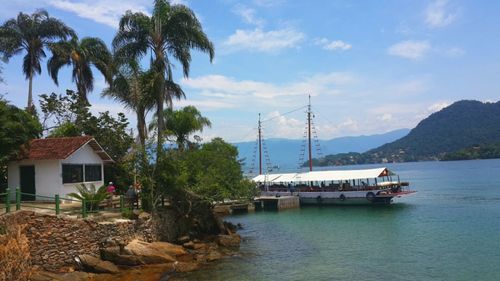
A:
(140, 253)
(115, 255)
(147, 252)
(169, 249)
(91, 263)
(231, 241)
(186, 266)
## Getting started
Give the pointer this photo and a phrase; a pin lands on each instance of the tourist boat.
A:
(354, 187)
(364, 186)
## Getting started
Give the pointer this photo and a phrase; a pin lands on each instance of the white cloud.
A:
(264, 41)
(182, 2)
(268, 3)
(437, 14)
(454, 52)
(410, 49)
(385, 117)
(248, 15)
(113, 108)
(437, 106)
(205, 105)
(101, 11)
(332, 45)
(229, 88)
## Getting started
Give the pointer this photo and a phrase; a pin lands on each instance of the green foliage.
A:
(489, 151)
(81, 55)
(131, 87)
(180, 124)
(67, 129)
(171, 32)
(92, 195)
(31, 34)
(17, 127)
(75, 120)
(213, 172)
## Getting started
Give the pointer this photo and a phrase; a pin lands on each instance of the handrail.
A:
(57, 201)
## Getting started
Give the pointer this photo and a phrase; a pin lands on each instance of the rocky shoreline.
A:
(139, 260)
(64, 248)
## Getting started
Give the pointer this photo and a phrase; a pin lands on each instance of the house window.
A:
(72, 173)
(93, 173)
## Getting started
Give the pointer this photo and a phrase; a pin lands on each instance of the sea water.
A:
(448, 230)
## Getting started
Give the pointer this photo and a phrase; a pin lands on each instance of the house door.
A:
(27, 182)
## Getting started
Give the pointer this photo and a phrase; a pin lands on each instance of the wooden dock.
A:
(276, 203)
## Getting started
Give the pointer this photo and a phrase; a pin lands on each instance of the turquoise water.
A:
(449, 230)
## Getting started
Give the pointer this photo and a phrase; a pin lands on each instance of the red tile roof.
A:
(60, 148)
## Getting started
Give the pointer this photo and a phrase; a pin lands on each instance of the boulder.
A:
(169, 248)
(213, 255)
(186, 266)
(231, 241)
(147, 253)
(140, 253)
(115, 255)
(93, 264)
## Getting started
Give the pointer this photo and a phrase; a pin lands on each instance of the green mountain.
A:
(461, 126)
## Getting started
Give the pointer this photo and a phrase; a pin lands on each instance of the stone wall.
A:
(55, 240)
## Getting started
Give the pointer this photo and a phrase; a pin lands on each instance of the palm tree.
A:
(171, 31)
(81, 55)
(182, 123)
(31, 34)
(130, 87)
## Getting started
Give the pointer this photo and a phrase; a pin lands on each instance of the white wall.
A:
(48, 173)
(47, 176)
(84, 155)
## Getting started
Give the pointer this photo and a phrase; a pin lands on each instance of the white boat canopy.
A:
(319, 176)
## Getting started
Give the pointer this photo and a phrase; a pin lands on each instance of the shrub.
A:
(14, 255)
(92, 195)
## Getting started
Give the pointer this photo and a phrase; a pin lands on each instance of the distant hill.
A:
(285, 152)
(458, 127)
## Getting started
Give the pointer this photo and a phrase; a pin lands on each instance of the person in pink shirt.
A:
(111, 190)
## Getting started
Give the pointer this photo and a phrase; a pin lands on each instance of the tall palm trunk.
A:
(30, 91)
(161, 68)
(141, 126)
(159, 113)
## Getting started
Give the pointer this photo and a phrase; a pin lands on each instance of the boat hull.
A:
(342, 198)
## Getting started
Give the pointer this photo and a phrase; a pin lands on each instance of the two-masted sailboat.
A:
(363, 186)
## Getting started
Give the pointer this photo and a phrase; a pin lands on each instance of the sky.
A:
(369, 66)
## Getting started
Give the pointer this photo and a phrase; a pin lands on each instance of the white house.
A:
(55, 165)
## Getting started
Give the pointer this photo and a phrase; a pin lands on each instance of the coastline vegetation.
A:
(188, 172)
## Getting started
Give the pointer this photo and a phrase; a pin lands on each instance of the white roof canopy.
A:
(338, 175)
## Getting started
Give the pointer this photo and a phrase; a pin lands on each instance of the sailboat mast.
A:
(260, 147)
(309, 133)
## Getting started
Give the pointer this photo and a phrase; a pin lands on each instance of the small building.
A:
(53, 166)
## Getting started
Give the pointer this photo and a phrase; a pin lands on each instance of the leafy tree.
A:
(171, 31)
(180, 124)
(130, 86)
(31, 34)
(17, 127)
(81, 55)
(76, 119)
(214, 173)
